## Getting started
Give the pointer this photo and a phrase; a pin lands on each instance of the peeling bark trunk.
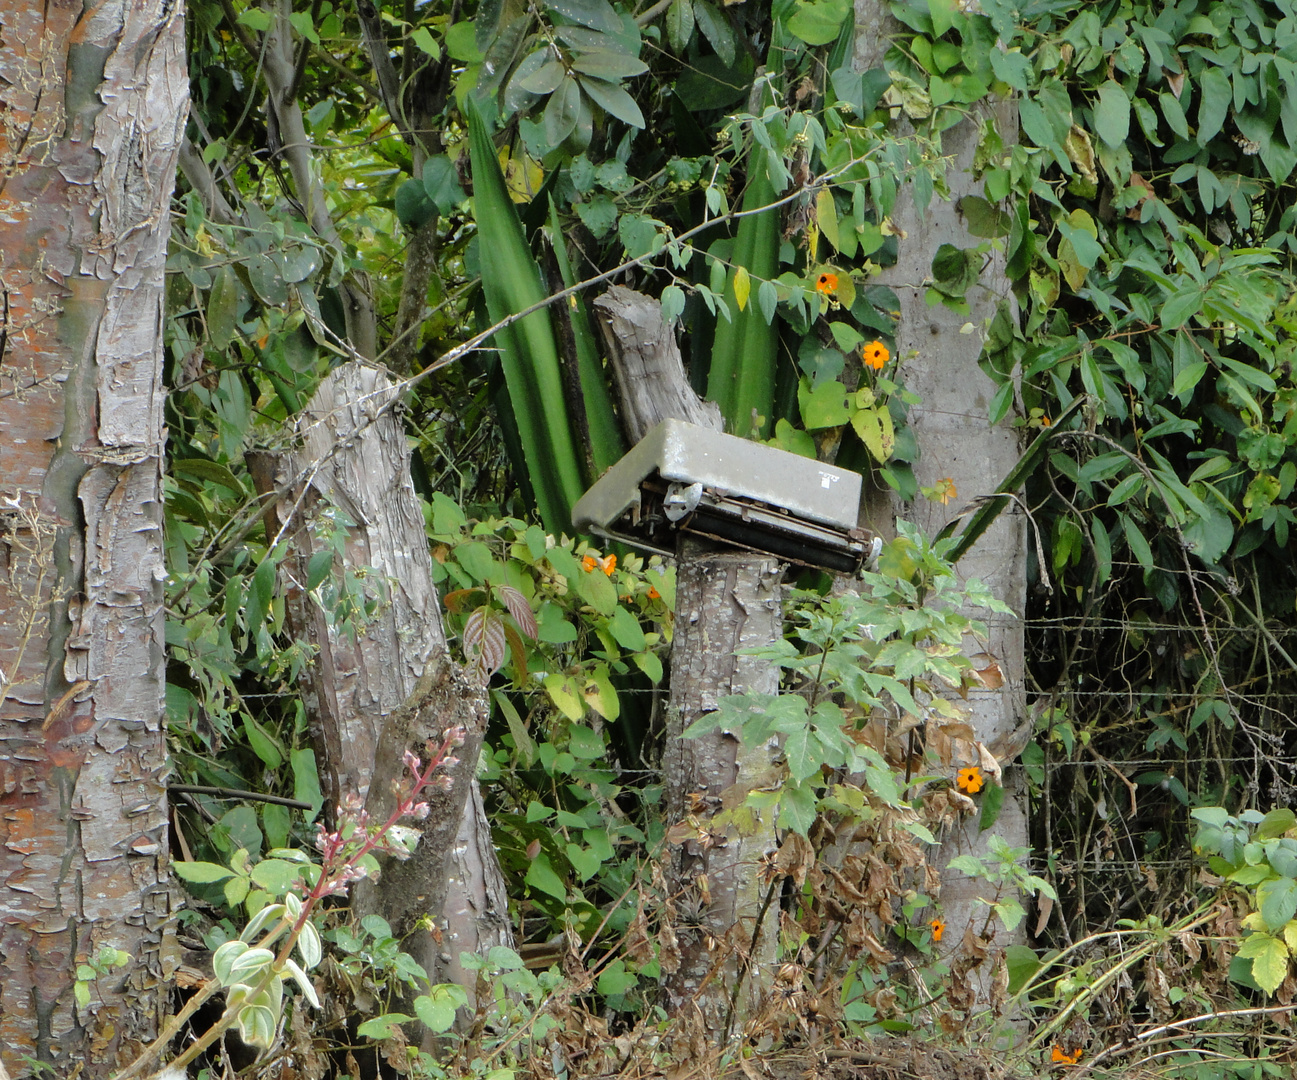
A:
(391, 687)
(957, 441)
(92, 110)
(725, 601)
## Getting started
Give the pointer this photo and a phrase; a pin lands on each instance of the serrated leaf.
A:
(1269, 957)
(518, 606)
(742, 287)
(484, 640)
(1277, 899)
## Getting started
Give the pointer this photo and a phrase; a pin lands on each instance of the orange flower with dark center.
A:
(1062, 1057)
(938, 928)
(970, 780)
(875, 355)
(826, 283)
(653, 594)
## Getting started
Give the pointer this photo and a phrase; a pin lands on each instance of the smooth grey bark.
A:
(93, 103)
(725, 601)
(391, 687)
(956, 440)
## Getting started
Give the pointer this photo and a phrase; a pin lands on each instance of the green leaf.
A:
(625, 628)
(818, 22)
(1112, 114)
(992, 803)
(823, 406)
(222, 308)
(562, 111)
(563, 692)
(1215, 97)
(436, 1010)
(423, 41)
(608, 65)
(276, 876)
(383, 1027)
(1277, 901)
(615, 979)
(596, 14)
(441, 183)
(680, 24)
(716, 29)
(540, 875)
(413, 207)
(1269, 957)
(614, 101)
(1022, 964)
(260, 593)
(1276, 823)
(1180, 305)
(201, 873)
(263, 743)
(797, 808)
(597, 590)
(306, 780)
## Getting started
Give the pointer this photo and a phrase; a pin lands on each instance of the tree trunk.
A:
(389, 686)
(725, 601)
(957, 441)
(93, 105)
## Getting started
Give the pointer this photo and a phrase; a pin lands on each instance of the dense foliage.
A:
(453, 166)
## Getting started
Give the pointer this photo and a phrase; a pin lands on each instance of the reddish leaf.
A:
(484, 641)
(519, 608)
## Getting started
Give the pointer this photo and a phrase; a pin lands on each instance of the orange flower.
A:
(938, 928)
(875, 355)
(970, 780)
(1045, 421)
(1062, 1057)
(607, 564)
(653, 594)
(826, 283)
(944, 490)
